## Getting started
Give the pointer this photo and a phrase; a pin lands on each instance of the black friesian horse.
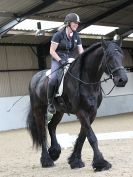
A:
(81, 96)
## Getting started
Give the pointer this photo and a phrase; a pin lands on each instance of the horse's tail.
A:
(34, 129)
(36, 119)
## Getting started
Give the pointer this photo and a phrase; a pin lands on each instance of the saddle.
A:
(61, 75)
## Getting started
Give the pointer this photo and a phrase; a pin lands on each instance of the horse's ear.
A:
(103, 42)
(118, 39)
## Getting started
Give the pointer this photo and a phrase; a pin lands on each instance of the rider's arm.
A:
(80, 49)
(79, 45)
(54, 44)
(53, 52)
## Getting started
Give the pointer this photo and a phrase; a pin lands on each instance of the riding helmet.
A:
(72, 17)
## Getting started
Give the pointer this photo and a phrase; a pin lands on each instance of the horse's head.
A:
(113, 62)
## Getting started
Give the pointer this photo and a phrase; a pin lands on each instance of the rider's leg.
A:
(52, 86)
(51, 94)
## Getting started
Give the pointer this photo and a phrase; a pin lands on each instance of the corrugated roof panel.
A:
(15, 83)
(19, 82)
(24, 39)
(131, 35)
(4, 84)
(86, 9)
(16, 6)
(93, 29)
(3, 19)
(15, 58)
(10, 8)
(98, 30)
(128, 61)
(3, 58)
(32, 25)
(21, 58)
(54, 12)
(121, 18)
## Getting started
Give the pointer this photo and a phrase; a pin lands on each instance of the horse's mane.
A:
(76, 66)
(79, 58)
(89, 49)
(112, 45)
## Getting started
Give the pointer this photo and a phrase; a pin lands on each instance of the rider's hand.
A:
(62, 62)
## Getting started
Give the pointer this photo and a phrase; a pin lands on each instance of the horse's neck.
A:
(92, 66)
(87, 68)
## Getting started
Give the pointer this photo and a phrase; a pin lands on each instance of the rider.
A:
(63, 44)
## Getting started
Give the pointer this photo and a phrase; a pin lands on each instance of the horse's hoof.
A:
(54, 152)
(101, 166)
(47, 163)
(76, 163)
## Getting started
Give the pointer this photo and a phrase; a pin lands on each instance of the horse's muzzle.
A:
(120, 81)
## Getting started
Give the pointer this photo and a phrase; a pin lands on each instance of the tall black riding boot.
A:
(51, 93)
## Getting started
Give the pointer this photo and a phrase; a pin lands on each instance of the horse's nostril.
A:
(121, 80)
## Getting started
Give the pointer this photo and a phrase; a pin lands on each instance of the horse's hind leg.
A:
(55, 149)
(75, 160)
(39, 113)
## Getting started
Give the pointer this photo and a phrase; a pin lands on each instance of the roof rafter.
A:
(105, 14)
(4, 29)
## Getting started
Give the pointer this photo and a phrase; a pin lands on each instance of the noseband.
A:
(116, 69)
(109, 70)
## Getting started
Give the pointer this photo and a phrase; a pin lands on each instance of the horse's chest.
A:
(89, 101)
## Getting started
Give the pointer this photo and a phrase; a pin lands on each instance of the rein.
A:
(89, 83)
(105, 94)
(101, 81)
(94, 83)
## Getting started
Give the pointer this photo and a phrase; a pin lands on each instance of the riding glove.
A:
(62, 62)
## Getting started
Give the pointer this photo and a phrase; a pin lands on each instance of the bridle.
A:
(109, 70)
(103, 65)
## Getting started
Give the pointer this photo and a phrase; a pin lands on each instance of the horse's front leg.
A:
(99, 163)
(75, 160)
(55, 149)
